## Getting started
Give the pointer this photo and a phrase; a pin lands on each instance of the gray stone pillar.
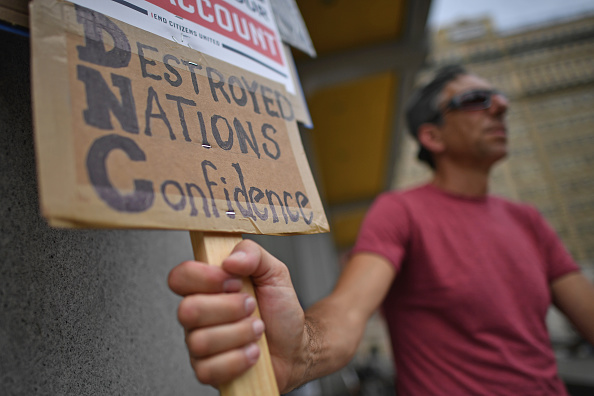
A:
(82, 312)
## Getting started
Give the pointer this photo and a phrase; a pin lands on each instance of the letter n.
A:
(101, 100)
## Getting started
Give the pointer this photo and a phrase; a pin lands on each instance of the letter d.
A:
(94, 49)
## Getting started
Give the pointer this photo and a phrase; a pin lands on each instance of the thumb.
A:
(250, 259)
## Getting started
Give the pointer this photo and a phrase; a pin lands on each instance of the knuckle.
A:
(249, 242)
(183, 269)
(187, 312)
(174, 279)
(197, 343)
(204, 374)
(282, 271)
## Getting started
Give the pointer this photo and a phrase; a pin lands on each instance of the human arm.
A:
(573, 294)
(336, 323)
(220, 334)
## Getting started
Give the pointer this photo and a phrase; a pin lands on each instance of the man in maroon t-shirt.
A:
(464, 278)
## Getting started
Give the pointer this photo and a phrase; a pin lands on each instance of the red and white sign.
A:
(227, 21)
(240, 32)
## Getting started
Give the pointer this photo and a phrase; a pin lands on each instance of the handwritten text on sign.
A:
(165, 133)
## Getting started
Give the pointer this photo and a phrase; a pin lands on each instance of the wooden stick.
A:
(259, 380)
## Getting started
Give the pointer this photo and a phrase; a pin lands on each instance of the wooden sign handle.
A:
(213, 248)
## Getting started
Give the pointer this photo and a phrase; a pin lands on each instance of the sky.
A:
(507, 14)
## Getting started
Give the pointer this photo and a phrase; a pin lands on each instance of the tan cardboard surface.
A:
(135, 131)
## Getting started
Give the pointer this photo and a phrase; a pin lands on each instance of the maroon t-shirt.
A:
(467, 310)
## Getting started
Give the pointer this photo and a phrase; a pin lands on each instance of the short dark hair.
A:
(422, 106)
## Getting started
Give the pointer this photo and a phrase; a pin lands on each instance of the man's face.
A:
(478, 137)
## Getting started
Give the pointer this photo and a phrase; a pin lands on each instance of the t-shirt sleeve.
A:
(385, 229)
(558, 260)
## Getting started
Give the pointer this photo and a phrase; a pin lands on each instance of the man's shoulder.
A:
(513, 205)
(395, 198)
(396, 201)
(520, 211)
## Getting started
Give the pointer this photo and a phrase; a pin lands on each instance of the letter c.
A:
(143, 196)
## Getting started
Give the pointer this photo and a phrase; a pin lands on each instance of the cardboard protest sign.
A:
(136, 131)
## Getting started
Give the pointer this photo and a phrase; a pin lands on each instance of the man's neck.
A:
(470, 182)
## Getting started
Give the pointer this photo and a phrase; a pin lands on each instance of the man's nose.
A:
(499, 104)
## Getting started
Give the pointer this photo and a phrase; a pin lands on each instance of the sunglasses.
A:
(478, 99)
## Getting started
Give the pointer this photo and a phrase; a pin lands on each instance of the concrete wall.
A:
(81, 312)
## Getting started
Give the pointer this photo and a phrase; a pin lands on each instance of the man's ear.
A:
(429, 136)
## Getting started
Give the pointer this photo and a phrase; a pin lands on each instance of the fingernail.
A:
(250, 305)
(258, 327)
(252, 352)
(232, 285)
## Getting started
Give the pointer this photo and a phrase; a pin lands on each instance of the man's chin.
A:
(499, 155)
(503, 157)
